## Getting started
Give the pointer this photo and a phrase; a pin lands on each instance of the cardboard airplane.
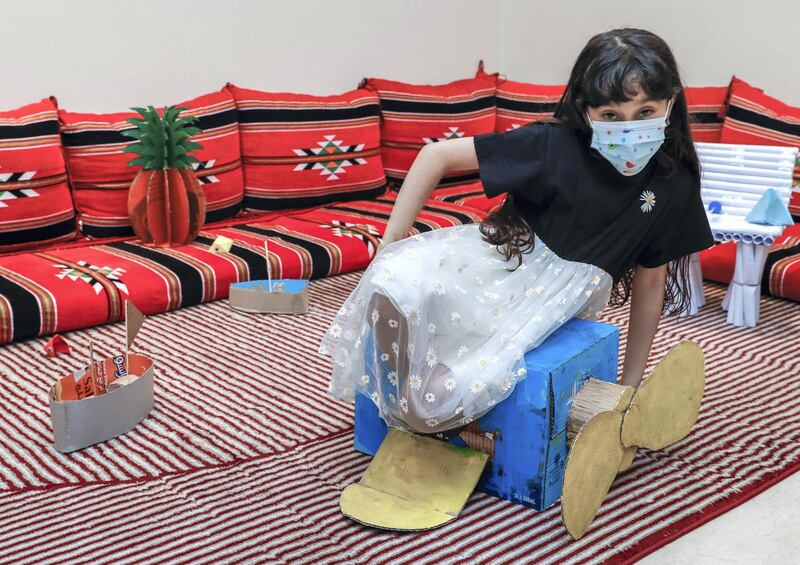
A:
(416, 482)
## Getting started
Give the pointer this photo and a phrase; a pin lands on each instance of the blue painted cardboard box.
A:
(527, 432)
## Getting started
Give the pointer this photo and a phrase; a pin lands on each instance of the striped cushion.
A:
(471, 195)
(415, 115)
(301, 150)
(782, 269)
(35, 203)
(375, 213)
(781, 277)
(65, 289)
(706, 106)
(755, 118)
(100, 175)
(519, 103)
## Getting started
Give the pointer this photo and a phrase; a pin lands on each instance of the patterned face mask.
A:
(629, 145)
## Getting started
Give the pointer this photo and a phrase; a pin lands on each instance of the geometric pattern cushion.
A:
(298, 249)
(35, 203)
(706, 107)
(752, 117)
(301, 150)
(416, 115)
(519, 103)
(56, 290)
(100, 176)
(44, 292)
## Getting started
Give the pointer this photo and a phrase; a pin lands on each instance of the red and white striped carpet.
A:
(244, 455)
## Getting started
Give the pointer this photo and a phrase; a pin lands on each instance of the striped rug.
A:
(244, 455)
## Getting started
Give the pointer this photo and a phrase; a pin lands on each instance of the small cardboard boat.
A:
(288, 296)
(276, 296)
(104, 399)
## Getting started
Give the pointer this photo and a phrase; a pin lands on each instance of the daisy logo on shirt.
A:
(648, 200)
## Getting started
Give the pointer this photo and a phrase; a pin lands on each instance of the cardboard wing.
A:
(413, 483)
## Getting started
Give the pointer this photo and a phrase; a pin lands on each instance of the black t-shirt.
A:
(583, 209)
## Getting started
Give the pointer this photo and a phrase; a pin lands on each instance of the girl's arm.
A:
(647, 299)
(430, 165)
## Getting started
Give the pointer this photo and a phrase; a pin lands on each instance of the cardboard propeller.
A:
(106, 398)
(609, 422)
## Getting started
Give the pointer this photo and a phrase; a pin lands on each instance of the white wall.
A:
(757, 40)
(108, 55)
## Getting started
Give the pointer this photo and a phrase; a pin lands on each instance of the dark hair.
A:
(614, 66)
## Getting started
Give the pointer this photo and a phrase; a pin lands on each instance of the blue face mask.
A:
(629, 145)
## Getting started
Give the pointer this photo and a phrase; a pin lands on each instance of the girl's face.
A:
(638, 108)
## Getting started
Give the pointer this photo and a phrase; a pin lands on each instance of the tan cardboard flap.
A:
(133, 322)
(413, 483)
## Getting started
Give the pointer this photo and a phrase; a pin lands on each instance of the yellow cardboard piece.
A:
(414, 482)
(221, 244)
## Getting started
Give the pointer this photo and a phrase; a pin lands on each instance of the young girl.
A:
(602, 204)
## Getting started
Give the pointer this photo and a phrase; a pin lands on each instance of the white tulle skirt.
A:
(437, 328)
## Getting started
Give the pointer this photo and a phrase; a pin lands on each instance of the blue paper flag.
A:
(770, 210)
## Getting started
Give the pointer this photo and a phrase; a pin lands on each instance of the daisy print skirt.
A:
(436, 330)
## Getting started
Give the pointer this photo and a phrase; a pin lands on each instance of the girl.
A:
(602, 204)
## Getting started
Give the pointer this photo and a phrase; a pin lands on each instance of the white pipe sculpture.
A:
(733, 179)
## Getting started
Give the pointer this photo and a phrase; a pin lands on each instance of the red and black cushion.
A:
(519, 103)
(301, 150)
(100, 175)
(374, 214)
(781, 276)
(706, 107)
(752, 117)
(35, 203)
(44, 292)
(471, 195)
(415, 115)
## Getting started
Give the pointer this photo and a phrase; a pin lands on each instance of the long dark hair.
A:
(614, 66)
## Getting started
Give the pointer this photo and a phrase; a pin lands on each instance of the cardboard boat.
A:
(288, 296)
(104, 399)
(270, 296)
(81, 421)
